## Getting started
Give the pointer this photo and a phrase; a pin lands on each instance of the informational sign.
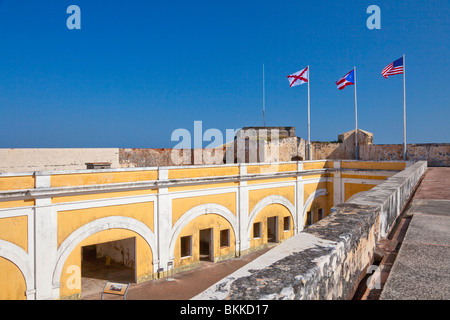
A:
(119, 289)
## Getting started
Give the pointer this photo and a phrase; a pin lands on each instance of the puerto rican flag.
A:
(393, 68)
(346, 80)
(298, 78)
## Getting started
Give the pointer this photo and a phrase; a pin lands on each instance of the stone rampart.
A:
(328, 259)
(437, 154)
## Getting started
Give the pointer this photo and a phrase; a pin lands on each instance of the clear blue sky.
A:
(138, 70)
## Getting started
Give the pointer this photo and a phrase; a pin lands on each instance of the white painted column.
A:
(337, 185)
(242, 240)
(45, 247)
(299, 200)
(163, 227)
(45, 244)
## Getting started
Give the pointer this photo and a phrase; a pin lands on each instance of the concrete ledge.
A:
(327, 260)
(421, 270)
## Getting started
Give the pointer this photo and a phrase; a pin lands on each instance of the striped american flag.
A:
(393, 68)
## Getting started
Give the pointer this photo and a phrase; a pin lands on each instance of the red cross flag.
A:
(298, 78)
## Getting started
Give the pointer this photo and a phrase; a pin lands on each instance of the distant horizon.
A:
(136, 72)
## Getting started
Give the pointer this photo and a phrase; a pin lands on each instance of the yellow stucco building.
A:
(155, 219)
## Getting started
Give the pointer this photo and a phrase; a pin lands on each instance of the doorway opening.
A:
(109, 261)
(272, 229)
(206, 245)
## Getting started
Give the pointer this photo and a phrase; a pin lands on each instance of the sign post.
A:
(169, 271)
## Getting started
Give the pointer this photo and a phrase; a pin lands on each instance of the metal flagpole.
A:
(309, 125)
(264, 100)
(356, 120)
(404, 109)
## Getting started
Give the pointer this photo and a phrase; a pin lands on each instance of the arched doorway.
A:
(204, 233)
(122, 237)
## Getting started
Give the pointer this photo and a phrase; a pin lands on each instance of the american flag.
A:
(393, 68)
(346, 80)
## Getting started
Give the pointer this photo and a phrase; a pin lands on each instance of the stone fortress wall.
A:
(288, 147)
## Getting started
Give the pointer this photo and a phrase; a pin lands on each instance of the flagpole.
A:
(309, 124)
(356, 121)
(264, 100)
(404, 109)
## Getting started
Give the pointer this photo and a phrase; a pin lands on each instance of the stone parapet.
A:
(436, 154)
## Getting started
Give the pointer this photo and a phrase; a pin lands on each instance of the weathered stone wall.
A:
(145, 157)
(25, 160)
(136, 158)
(330, 150)
(437, 154)
(286, 149)
(327, 260)
(281, 132)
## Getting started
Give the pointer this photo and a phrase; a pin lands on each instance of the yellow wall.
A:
(69, 221)
(203, 172)
(184, 173)
(271, 180)
(181, 205)
(16, 183)
(257, 195)
(274, 167)
(106, 195)
(15, 230)
(16, 203)
(272, 210)
(317, 165)
(12, 282)
(81, 179)
(354, 188)
(355, 176)
(373, 165)
(203, 186)
(193, 229)
(325, 202)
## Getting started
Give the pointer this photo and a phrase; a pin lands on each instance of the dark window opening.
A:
(225, 238)
(257, 230)
(309, 218)
(186, 246)
(287, 223)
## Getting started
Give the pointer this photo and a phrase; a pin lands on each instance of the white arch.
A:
(273, 199)
(20, 258)
(115, 222)
(188, 216)
(315, 194)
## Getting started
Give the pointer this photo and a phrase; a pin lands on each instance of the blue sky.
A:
(138, 70)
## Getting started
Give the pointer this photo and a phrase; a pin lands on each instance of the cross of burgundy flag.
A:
(298, 78)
